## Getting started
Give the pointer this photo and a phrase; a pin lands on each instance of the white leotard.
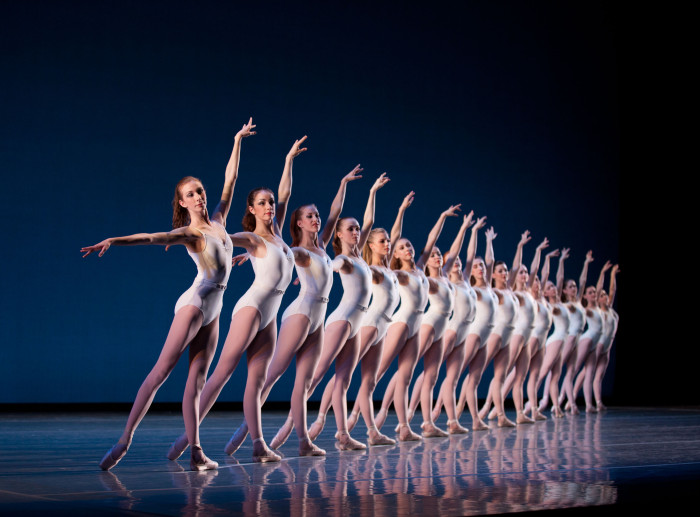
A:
(525, 317)
(273, 272)
(441, 306)
(543, 321)
(464, 311)
(612, 320)
(385, 299)
(594, 322)
(485, 313)
(577, 318)
(414, 298)
(316, 281)
(506, 313)
(357, 289)
(213, 269)
(560, 315)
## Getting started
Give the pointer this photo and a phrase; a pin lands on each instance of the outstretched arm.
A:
(398, 224)
(584, 275)
(285, 188)
(458, 242)
(337, 205)
(435, 233)
(560, 272)
(518, 259)
(613, 282)
(601, 277)
(368, 220)
(535, 266)
(221, 210)
(545, 267)
(488, 256)
(471, 248)
(183, 235)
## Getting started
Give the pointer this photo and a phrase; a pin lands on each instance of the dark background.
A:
(515, 110)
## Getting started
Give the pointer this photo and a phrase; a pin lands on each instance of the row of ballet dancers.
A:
(480, 311)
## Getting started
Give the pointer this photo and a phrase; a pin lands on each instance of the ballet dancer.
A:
(196, 320)
(464, 309)
(385, 299)
(456, 334)
(403, 335)
(498, 345)
(519, 349)
(342, 342)
(301, 333)
(605, 303)
(253, 324)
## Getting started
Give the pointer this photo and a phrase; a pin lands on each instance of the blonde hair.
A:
(367, 251)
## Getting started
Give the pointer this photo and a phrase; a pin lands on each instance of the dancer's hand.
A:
(589, 257)
(553, 253)
(381, 181)
(240, 259)
(565, 253)
(296, 150)
(100, 246)
(468, 219)
(544, 244)
(452, 211)
(246, 130)
(480, 223)
(408, 200)
(490, 234)
(524, 238)
(353, 174)
(606, 266)
(615, 269)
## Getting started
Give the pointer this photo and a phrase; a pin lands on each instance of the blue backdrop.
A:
(509, 108)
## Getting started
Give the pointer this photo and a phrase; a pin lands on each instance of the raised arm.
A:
(337, 205)
(435, 233)
(471, 248)
(368, 220)
(601, 277)
(518, 259)
(184, 235)
(613, 283)
(535, 266)
(560, 272)
(285, 188)
(584, 275)
(545, 267)
(221, 210)
(398, 224)
(488, 256)
(467, 221)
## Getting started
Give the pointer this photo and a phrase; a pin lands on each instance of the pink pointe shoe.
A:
(113, 456)
(199, 460)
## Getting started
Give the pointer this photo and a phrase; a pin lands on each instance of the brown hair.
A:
(294, 228)
(395, 263)
(498, 263)
(337, 245)
(472, 280)
(564, 298)
(426, 270)
(367, 251)
(181, 217)
(248, 221)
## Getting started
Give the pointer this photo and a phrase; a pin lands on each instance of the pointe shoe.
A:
(348, 443)
(479, 425)
(430, 430)
(352, 420)
(601, 407)
(282, 435)
(453, 427)
(177, 448)
(406, 435)
(199, 460)
(308, 448)
(377, 438)
(380, 417)
(522, 418)
(317, 426)
(591, 409)
(113, 456)
(539, 417)
(409, 415)
(236, 440)
(557, 412)
(492, 414)
(503, 421)
(435, 414)
(397, 428)
(266, 455)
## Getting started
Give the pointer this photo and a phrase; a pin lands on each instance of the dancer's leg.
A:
(368, 337)
(432, 360)
(408, 357)
(344, 367)
(306, 362)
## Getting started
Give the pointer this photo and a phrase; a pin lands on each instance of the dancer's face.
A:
(522, 276)
(404, 250)
(457, 265)
(349, 231)
(435, 259)
(550, 290)
(500, 274)
(193, 197)
(570, 290)
(310, 219)
(380, 244)
(603, 299)
(590, 295)
(263, 207)
(535, 288)
(479, 270)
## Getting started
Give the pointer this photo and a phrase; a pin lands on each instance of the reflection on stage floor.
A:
(641, 457)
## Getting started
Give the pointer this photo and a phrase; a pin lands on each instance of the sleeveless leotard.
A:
(213, 269)
(525, 318)
(485, 313)
(543, 322)
(506, 313)
(441, 306)
(577, 318)
(610, 329)
(385, 299)
(560, 315)
(316, 281)
(464, 311)
(357, 289)
(414, 298)
(273, 272)
(594, 322)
